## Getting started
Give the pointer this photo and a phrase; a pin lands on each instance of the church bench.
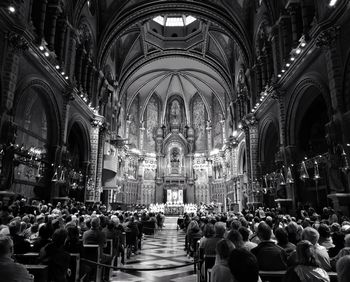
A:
(148, 227)
(266, 275)
(28, 258)
(39, 271)
(93, 253)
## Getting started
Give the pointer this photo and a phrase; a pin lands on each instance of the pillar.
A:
(60, 41)
(72, 50)
(14, 46)
(50, 25)
(92, 190)
(209, 137)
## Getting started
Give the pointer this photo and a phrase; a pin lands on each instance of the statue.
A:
(175, 117)
(241, 82)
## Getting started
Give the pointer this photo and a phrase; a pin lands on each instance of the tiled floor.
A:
(162, 250)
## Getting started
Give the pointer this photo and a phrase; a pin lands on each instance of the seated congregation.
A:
(69, 242)
(269, 246)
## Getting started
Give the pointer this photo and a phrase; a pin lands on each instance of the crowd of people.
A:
(307, 247)
(55, 231)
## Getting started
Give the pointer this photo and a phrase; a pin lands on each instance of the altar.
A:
(173, 209)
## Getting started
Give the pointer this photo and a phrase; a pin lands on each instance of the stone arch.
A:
(77, 126)
(294, 110)
(48, 97)
(242, 158)
(268, 142)
(232, 25)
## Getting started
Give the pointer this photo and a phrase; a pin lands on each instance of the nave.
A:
(164, 249)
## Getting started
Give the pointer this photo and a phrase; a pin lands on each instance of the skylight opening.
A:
(189, 20)
(159, 19)
(174, 21)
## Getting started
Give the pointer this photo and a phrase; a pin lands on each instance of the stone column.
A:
(127, 128)
(60, 41)
(72, 50)
(50, 25)
(14, 47)
(68, 97)
(253, 147)
(79, 65)
(275, 49)
(84, 75)
(257, 70)
(40, 26)
(90, 81)
(262, 63)
(90, 195)
(142, 135)
(101, 142)
(293, 9)
(210, 143)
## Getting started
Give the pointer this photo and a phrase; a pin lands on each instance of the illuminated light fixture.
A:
(63, 73)
(302, 44)
(261, 99)
(41, 47)
(348, 145)
(283, 70)
(12, 9)
(46, 54)
(303, 172)
(298, 51)
(287, 65)
(252, 110)
(332, 3)
(57, 67)
(239, 125)
(81, 95)
(67, 77)
(279, 75)
(292, 59)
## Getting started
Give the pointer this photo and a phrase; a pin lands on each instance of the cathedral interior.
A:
(238, 103)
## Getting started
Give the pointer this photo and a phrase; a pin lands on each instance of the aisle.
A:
(166, 249)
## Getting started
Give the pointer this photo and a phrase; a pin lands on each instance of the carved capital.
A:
(327, 38)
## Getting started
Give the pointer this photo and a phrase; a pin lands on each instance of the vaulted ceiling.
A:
(146, 55)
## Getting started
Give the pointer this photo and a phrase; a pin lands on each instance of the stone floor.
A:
(165, 248)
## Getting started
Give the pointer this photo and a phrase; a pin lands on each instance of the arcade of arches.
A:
(234, 102)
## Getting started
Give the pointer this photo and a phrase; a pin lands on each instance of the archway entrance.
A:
(77, 160)
(311, 143)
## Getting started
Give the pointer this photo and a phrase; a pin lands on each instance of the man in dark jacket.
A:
(270, 256)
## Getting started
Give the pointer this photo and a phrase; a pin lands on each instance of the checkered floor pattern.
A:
(165, 248)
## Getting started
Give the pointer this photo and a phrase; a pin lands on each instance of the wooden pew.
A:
(74, 266)
(28, 258)
(278, 275)
(93, 253)
(209, 261)
(39, 271)
(149, 227)
(108, 250)
(209, 275)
